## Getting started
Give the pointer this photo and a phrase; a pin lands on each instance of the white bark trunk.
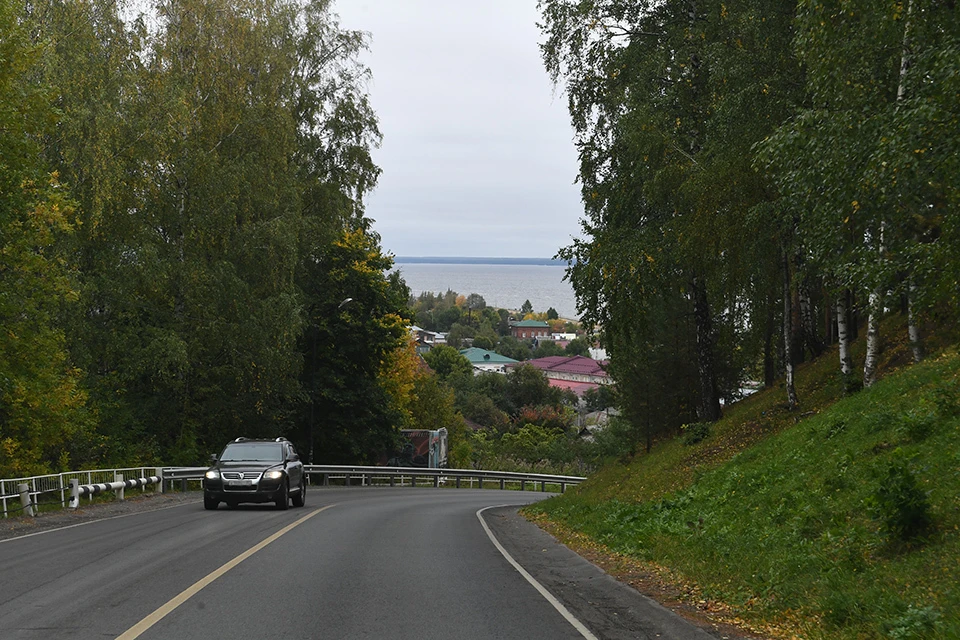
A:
(843, 336)
(873, 339)
(787, 335)
(904, 55)
(913, 329)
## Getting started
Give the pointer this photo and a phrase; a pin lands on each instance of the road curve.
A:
(354, 563)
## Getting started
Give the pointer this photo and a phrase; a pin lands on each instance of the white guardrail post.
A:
(24, 490)
(74, 493)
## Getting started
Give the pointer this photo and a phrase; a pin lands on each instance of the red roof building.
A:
(576, 373)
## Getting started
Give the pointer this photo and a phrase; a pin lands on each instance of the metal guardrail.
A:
(77, 489)
(14, 501)
(400, 476)
(59, 483)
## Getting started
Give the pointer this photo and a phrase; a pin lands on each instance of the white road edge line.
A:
(136, 630)
(569, 617)
(80, 524)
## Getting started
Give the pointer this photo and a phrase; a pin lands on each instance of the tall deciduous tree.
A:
(42, 419)
(357, 319)
(668, 99)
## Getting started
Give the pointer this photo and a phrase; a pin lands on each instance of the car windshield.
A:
(265, 451)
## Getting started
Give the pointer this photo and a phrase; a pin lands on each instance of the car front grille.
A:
(240, 475)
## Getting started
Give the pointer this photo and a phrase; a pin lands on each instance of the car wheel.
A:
(283, 498)
(210, 503)
(301, 497)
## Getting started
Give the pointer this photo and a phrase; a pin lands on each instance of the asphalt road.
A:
(354, 563)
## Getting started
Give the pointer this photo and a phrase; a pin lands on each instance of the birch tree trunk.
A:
(769, 332)
(913, 329)
(873, 338)
(788, 334)
(843, 339)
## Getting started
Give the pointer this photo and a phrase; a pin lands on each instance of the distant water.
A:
(505, 286)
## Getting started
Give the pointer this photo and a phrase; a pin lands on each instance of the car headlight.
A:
(274, 474)
(213, 474)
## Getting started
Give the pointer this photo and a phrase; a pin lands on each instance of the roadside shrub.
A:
(531, 442)
(916, 425)
(915, 623)
(836, 428)
(882, 419)
(695, 433)
(618, 438)
(901, 505)
(946, 398)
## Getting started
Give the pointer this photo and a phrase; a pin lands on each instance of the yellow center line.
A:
(136, 630)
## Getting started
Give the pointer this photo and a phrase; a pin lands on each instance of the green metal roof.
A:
(477, 355)
(540, 324)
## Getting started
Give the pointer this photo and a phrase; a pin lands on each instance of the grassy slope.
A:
(772, 513)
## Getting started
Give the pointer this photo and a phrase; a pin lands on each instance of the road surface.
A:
(354, 563)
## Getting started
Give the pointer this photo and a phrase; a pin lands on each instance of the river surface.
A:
(506, 286)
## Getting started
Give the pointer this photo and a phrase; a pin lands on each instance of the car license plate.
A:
(239, 483)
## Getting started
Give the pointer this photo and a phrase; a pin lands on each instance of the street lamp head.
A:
(345, 302)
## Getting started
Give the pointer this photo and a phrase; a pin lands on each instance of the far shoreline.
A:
(544, 262)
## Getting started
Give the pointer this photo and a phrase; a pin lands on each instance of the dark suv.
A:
(255, 471)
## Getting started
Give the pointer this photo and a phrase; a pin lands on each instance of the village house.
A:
(530, 329)
(426, 340)
(574, 373)
(483, 360)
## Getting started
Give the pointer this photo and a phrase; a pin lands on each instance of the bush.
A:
(946, 398)
(695, 433)
(901, 505)
(916, 425)
(915, 623)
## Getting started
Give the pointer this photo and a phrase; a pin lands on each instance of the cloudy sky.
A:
(477, 154)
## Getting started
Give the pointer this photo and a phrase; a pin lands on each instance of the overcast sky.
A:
(477, 151)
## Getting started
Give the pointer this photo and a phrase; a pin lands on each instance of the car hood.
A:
(243, 465)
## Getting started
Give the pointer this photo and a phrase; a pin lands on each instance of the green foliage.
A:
(552, 314)
(433, 408)
(348, 415)
(527, 386)
(914, 623)
(603, 397)
(514, 348)
(777, 526)
(695, 433)
(546, 348)
(458, 335)
(195, 198)
(484, 342)
(901, 505)
(579, 346)
(43, 412)
(447, 362)
(531, 442)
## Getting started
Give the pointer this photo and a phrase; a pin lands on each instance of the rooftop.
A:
(540, 324)
(477, 355)
(569, 364)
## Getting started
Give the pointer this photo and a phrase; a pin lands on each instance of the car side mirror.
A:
(293, 458)
(213, 458)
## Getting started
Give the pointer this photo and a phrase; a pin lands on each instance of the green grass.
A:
(840, 524)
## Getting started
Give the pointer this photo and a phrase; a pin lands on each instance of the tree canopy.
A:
(182, 216)
(756, 177)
